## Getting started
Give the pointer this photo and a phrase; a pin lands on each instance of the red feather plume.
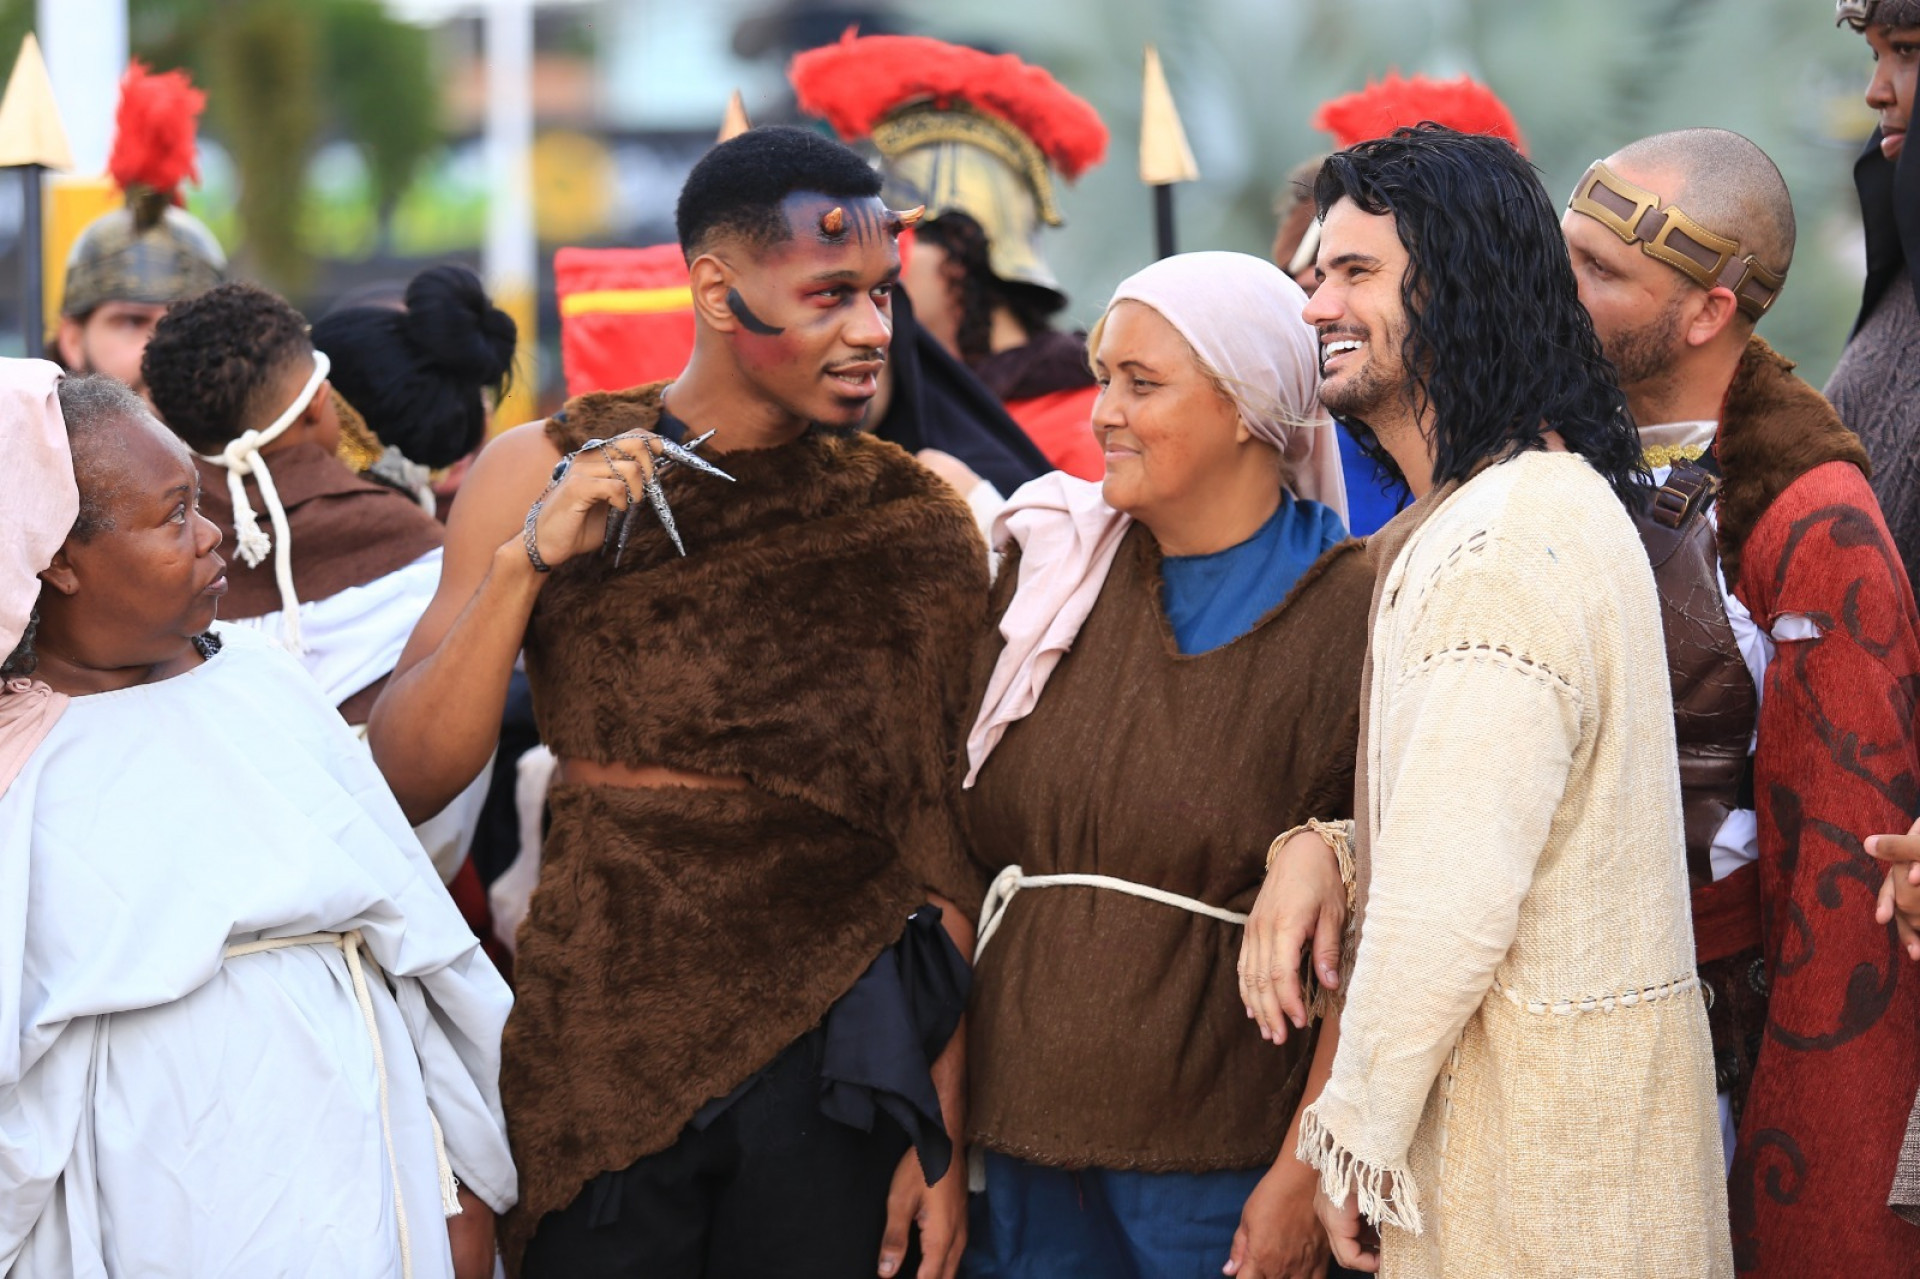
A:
(154, 128)
(1380, 108)
(861, 80)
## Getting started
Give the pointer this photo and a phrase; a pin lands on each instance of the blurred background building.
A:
(343, 143)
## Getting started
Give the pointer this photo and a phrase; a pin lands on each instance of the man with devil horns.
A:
(735, 1050)
(129, 265)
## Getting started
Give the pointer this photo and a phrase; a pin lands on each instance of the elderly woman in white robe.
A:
(243, 1030)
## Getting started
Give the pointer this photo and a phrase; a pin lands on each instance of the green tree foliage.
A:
(263, 95)
(379, 79)
(283, 76)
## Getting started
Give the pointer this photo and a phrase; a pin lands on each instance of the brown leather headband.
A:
(1669, 235)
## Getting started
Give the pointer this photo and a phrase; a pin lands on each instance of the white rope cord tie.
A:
(352, 945)
(1009, 882)
(242, 458)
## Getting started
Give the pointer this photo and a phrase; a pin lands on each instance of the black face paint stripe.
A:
(748, 320)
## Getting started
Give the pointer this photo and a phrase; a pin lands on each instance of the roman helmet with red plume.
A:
(153, 250)
(959, 130)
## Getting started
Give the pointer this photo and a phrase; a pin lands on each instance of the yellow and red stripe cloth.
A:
(626, 316)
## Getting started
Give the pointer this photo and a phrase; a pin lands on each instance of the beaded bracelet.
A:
(531, 539)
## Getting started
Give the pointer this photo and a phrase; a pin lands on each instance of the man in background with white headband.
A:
(330, 565)
(235, 375)
(327, 563)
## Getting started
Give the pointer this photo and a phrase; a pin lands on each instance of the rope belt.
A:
(354, 947)
(1009, 882)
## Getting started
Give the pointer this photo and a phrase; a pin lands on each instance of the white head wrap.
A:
(1242, 317)
(242, 458)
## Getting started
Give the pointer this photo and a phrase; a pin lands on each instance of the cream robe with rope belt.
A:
(167, 1110)
(1524, 1083)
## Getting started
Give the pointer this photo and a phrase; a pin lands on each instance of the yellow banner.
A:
(628, 301)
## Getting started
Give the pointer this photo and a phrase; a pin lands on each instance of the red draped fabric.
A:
(1837, 761)
(626, 317)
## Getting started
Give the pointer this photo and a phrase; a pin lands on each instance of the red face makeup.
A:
(816, 312)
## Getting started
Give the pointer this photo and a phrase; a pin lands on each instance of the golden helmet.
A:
(959, 130)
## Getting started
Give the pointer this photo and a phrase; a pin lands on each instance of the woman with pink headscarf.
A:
(1172, 682)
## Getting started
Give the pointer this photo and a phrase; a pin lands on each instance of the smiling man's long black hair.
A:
(1497, 343)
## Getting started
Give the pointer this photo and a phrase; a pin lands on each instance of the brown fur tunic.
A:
(1774, 428)
(814, 640)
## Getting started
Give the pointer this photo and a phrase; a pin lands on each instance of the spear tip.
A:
(30, 128)
(735, 122)
(1165, 156)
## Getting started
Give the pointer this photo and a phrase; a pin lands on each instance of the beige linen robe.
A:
(1524, 1081)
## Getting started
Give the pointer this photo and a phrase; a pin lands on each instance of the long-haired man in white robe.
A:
(243, 1030)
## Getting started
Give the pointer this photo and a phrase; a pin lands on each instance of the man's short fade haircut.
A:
(737, 187)
(214, 360)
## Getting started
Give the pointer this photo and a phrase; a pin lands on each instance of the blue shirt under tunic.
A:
(1212, 600)
(1374, 496)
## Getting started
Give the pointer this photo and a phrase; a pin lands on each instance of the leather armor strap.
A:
(1690, 487)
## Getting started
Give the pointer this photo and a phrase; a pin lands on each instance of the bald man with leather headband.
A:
(1791, 642)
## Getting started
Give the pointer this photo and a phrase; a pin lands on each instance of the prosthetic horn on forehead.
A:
(1667, 234)
(833, 222)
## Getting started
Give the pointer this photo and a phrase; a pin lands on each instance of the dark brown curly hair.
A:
(214, 359)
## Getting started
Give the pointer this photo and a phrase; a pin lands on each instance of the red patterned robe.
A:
(1803, 538)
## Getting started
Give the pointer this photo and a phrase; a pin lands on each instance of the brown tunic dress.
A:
(1108, 1031)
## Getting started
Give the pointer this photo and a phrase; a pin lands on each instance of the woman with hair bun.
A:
(416, 375)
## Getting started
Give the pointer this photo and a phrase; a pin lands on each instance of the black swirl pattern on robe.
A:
(1837, 761)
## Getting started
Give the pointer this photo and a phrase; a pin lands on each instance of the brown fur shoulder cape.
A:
(1774, 428)
(815, 640)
